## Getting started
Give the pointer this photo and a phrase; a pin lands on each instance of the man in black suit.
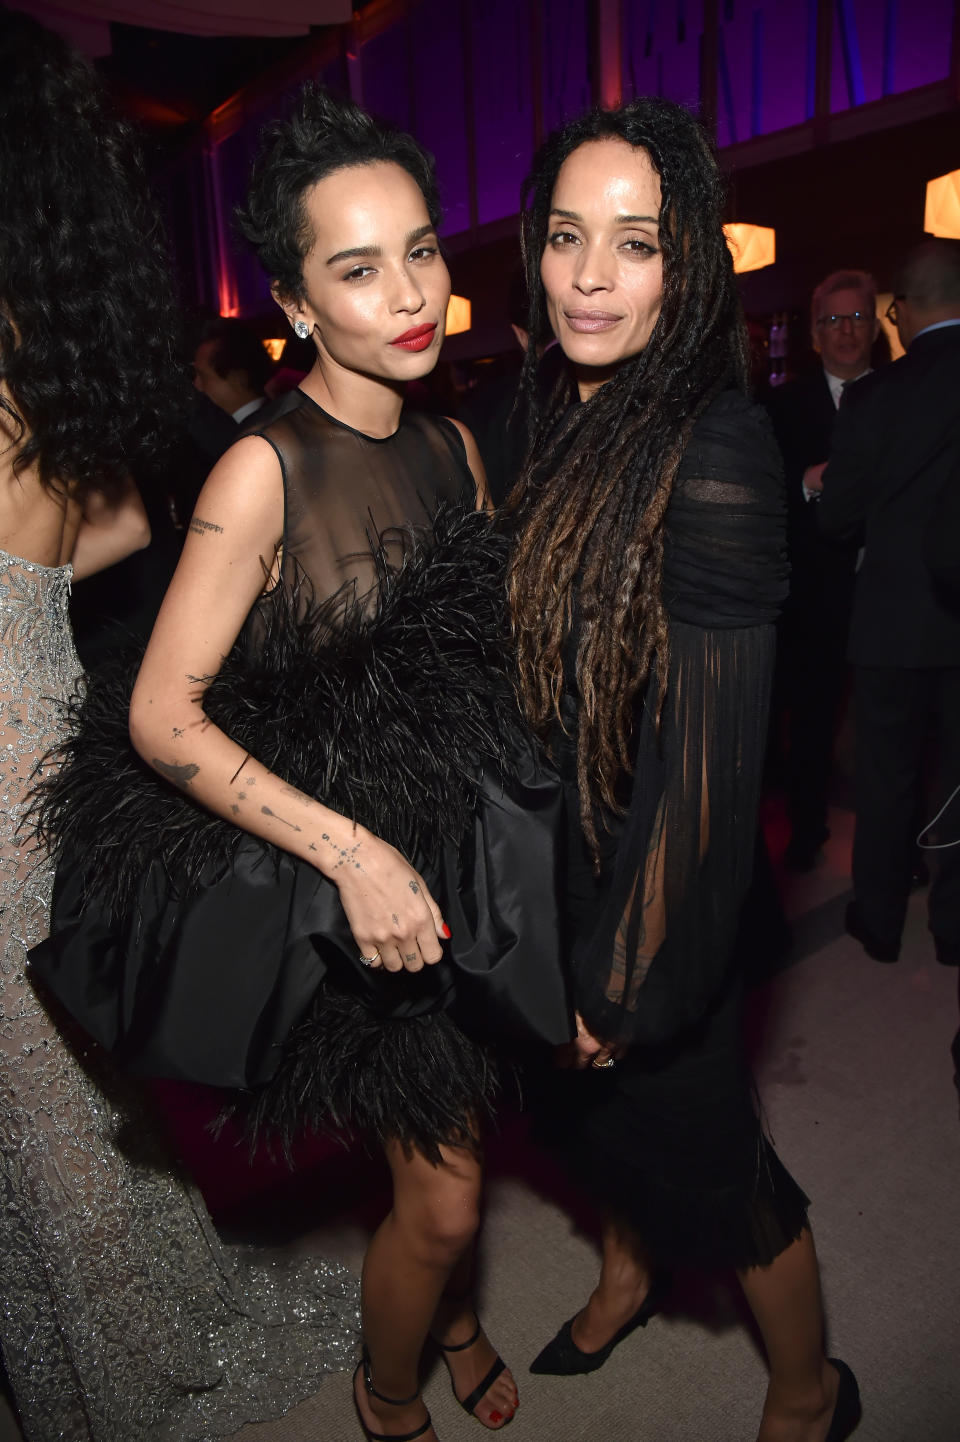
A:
(896, 446)
(812, 668)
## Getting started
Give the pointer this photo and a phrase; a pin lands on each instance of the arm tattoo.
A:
(345, 856)
(265, 811)
(414, 888)
(180, 775)
(200, 528)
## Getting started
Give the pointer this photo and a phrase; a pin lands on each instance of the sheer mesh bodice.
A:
(677, 865)
(351, 498)
(123, 1317)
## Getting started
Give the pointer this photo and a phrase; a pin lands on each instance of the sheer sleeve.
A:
(658, 949)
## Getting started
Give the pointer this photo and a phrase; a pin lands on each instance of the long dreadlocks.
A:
(588, 511)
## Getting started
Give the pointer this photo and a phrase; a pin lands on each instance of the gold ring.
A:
(603, 1065)
(369, 960)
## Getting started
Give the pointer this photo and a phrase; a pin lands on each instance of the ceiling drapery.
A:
(86, 22)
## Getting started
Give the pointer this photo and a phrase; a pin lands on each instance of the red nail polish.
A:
(445, 931)
(496, 1416)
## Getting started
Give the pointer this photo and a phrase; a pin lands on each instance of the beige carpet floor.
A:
(853, 1066)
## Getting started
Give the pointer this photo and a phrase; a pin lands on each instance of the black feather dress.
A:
(375, 676)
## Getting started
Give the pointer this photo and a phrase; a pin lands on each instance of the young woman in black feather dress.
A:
(294, 888)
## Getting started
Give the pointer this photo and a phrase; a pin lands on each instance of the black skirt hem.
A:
(348, 1072)
(740, 1226)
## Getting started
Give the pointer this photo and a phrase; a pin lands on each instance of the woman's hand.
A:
(393, 917)
(588, 1050)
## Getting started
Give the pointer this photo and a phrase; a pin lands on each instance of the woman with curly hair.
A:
(123, 1318)
(331, 860)
(647, 572)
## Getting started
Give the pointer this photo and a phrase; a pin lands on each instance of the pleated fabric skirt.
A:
(671, 1139)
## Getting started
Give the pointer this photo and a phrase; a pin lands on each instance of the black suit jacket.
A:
(822, 568)
(896, 446)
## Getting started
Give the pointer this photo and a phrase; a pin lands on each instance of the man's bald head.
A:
(927, 288)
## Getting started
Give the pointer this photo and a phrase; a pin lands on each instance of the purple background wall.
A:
(479, 81)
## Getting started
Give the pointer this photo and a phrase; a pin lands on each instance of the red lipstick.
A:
(416, 339)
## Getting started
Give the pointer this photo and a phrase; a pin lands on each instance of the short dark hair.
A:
(930, 273)
(322, 134)
(236, 347)
(87, 324)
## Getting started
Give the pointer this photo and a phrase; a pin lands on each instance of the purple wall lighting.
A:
(882, 47)
(480, 82)
(501, 43)
(761, 68)
(439, 87)
(565, 37)
(661, 49)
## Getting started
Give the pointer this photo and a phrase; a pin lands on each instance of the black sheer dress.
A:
(670, 1138)
(376, 676)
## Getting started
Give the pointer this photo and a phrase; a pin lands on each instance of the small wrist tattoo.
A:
(346, 856)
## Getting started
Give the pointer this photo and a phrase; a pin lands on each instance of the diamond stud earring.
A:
(301, 329)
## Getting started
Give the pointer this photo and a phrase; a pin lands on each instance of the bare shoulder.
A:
(475, 462)
(244, 489)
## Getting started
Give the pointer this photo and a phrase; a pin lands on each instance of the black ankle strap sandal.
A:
(483, 1386)
(371, 1390)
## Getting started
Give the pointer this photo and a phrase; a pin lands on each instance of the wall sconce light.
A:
(752, 246)
(942, 213)
(887, 325)
(458, 315)
(274, 347)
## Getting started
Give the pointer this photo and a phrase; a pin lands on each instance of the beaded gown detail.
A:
(124, 1318)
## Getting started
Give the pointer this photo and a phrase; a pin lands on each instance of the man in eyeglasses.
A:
(894, 459)
(812, 666)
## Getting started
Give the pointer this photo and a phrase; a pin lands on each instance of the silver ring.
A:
(603, 1065)
(369, 960)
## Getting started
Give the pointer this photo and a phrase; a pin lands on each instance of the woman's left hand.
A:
(588, 1050)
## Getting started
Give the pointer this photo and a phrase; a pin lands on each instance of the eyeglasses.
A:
(855, 317)
(891, 310)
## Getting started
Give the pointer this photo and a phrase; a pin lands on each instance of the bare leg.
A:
(625, 1277)
(432, 1222)
(785, 1300)
(455, 1322)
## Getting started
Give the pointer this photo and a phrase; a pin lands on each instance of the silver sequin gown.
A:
(123, 1316)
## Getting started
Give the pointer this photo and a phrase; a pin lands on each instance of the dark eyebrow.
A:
(366, 252)
(618, 220)
(358, 251)
(418, 234)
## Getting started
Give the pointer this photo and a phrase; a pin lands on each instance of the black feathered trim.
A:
(385, 709)
(350, 1071)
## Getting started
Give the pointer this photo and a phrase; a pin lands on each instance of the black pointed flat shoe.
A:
(563, 1358)
(847, 1410)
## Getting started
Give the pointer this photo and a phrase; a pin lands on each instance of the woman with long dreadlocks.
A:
(647, 572)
